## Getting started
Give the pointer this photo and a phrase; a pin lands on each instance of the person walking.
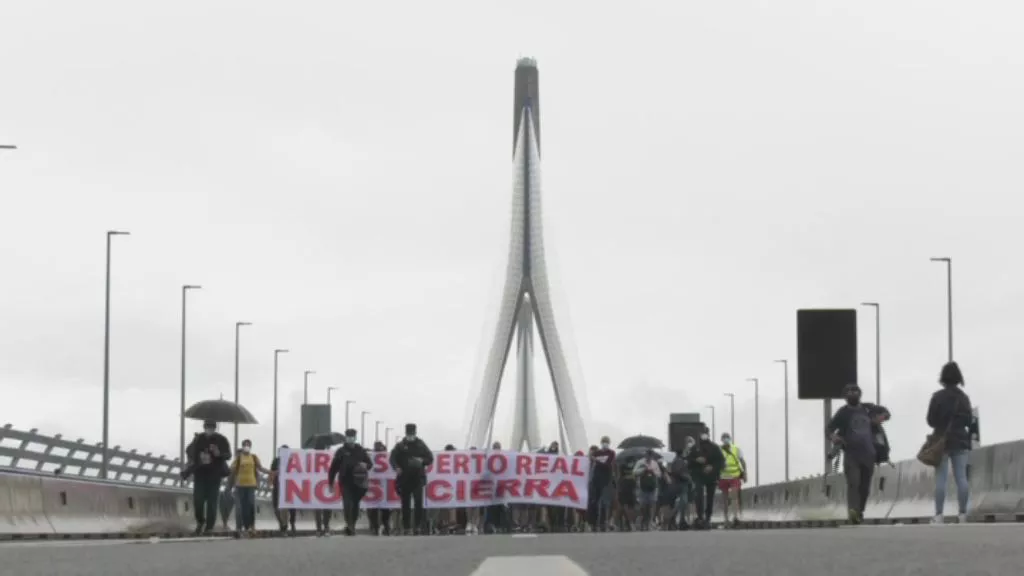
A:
(244, 477)
(679, 470)
(351, 469)
(734, 474)
(283, 520)
(601, 492)
(208, 454)
(410, 459)
(706, 463)
(949, 414)
(854, 426)
(648, 472)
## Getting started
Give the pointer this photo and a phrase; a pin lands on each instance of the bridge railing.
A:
(32, 452)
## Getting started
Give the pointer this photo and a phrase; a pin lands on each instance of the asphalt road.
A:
(884, 550)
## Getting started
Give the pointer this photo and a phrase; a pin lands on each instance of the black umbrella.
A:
(627, 458)
(641, 441)
(322, 441)
(220, 411)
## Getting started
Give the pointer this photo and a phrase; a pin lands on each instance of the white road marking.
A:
(532, 565)
(524, 535)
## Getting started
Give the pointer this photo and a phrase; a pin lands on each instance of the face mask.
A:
(350, 440)
(410, 438)
(853, 400)
(605, 445)
(704, 437)
(726, 440)
(210, 431)
(246, 449)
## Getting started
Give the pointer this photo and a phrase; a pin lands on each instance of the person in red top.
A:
(602, 486)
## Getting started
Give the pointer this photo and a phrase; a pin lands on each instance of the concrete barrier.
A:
(21, 506)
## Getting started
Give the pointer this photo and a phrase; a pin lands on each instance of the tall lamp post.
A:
(277, 353)
(785, 384)
(184, 313)
(238, 328)
(362, 427)
(878, 349)
(949, 301)
(106, 362)
(712, 408)
(732, 415)
(347, 404)
(305, 385)
(376, 432)
(757, 431)
(329, 390)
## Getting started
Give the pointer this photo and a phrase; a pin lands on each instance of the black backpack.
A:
(648, 481)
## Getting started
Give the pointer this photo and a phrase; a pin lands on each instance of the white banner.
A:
(457, 479)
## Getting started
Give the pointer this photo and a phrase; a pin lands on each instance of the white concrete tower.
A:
(526, 300)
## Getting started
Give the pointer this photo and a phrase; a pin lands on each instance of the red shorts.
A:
(727, 484)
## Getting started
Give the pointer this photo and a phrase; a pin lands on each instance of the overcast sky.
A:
(339, 174)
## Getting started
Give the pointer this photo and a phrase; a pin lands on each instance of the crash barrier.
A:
(900, 492)
(38, 506)
(35, 452)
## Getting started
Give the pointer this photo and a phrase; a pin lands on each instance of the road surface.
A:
(888, 550)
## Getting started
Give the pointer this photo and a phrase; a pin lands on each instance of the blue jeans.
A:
(681, 503)
(959, 460)
(245, 509)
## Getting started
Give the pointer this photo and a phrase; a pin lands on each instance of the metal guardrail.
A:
(36, 453)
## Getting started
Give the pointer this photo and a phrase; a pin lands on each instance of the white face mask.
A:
(726, 440)
(410, 438)
(246, 449)
(350, 440)
(703, 436)
(605, 445)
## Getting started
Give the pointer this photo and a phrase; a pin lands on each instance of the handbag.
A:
(934, 446)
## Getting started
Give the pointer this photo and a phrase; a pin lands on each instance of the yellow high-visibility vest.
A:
(733, 467)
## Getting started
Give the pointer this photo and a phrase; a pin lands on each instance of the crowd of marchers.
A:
(629, 489)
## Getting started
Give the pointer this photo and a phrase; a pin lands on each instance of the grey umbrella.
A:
(323, 441)
(222, 411)
(641, 441)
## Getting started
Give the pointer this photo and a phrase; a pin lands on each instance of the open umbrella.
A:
(641, 441)
(322, 441)
(222, 411)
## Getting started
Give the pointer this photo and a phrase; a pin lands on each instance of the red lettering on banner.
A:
(380, 462)
(542, 464)
(443, 464)
(507, 487)
(460, 491)
(461, 464)
(577, 467)
(480, 490)
(296, 492)
(439, 491)
(561, 466)
(294, 464)
(524, 465)
(325, 493)
(478, 462)
(536, 486)
(323, 463)
(566, 489)
(497, 464)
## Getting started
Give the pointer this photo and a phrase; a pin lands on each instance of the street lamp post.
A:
(949, 301)
(347, 404)
(106, 361)
(305, 385)
(785, 395)
(732, 415)
(878, 349)
(362, 427)
(329, 390)
(238, 327)
(277, 353)
(712, 408)
(376, 432)
(757, 431)
(184, 313)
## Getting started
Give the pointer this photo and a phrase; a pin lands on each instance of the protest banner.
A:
(456, 479)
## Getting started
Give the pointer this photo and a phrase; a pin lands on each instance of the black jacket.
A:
(216, 467)
(404, 452)
(840, 422)
(345, 460)
(951, 407)
(713, 457)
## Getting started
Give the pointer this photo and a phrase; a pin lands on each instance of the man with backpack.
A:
(706, 462)
(602, 490)
(856, 426)
(410, 459)
(351, 467)
(648, 472)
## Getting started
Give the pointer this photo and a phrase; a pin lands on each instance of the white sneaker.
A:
(962, 519)
(938, 519)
